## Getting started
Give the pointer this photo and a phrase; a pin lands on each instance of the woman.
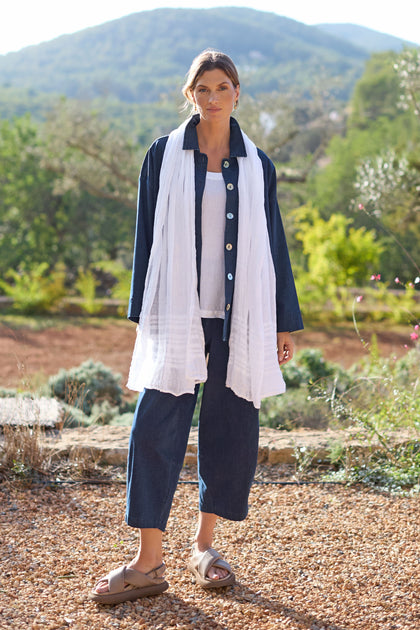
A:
(214, 296)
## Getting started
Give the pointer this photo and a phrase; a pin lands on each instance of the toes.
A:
(101, 587)
(214, 573)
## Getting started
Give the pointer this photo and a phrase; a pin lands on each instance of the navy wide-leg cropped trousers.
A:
(227, 445)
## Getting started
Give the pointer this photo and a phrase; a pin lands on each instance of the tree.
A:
(337, 257)
(388, 185)
(33, 218)
(90, 154)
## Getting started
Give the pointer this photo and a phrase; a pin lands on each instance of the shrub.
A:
(407, 369)
(36, 289)
(86, 284)
(104, 413)
(87, 384)
(7, 393)
(295, 376)
(74, 417)
(315, 364)
(297, 409)
(309, 367)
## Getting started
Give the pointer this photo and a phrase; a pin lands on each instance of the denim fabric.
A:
(227, 450)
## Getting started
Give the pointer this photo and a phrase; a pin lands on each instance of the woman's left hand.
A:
(285, 347)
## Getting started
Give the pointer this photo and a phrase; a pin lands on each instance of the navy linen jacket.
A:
(287, 307)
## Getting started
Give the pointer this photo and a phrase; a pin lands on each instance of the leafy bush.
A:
(104, 413)
(123, 420)
(7, 393)
(297, 409)
(338, 256)
(309, 367)
(315, 364)
(407, 369)
(86, 284)
(381, 400)
(74, 417)
(398, 475)
(122, 277)
(35, 289)
(87, 384)
(295, 375)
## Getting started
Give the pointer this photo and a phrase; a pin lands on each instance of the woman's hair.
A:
(208, 60)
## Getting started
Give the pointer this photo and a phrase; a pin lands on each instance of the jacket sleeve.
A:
(146, 205)
(289, 317)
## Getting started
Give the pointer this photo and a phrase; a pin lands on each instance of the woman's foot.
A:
(127, 584)
(214, 573)
(203, 541)
(103, 587)
(208, 568)
(148, 558)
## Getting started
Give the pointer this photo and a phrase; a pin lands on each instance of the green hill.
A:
(366, 38)
(141, 56)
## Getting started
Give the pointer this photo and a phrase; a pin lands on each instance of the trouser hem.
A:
(228, 516)
(131, 522)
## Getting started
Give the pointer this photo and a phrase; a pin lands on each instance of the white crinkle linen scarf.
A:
(169, 350)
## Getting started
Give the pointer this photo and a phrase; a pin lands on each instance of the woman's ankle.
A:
(202, 544)
(145, 563)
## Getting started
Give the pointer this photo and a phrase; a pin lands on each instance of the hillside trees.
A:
(388, 185)
(373, 166)
(68, 193)
(89, 154)
(33, 218)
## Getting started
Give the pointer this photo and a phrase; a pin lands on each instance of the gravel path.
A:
(307, 557)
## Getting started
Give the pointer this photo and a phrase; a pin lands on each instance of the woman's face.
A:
(214, 95)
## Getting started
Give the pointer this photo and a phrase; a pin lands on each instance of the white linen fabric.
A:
(213, 222)
(169, 350)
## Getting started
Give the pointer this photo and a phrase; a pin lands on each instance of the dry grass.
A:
(21, 449)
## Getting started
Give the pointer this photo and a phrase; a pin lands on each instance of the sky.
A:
(27, 22)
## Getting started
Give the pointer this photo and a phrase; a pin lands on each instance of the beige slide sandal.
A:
(126, 584)
(201, 562)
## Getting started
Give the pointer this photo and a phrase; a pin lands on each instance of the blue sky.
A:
(27, 22)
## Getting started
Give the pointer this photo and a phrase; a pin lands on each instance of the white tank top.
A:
(212, 279)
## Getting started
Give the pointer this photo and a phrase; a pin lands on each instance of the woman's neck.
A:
(213, 137)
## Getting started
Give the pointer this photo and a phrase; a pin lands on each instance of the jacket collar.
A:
(237, 146)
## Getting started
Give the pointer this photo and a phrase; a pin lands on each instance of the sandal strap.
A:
(116, 580)
(158, 572)
(119, 578)
(210, 558)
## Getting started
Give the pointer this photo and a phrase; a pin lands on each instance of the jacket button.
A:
(230, 276)
(229, 246)
(227, 307)
(230, 186)
(229, 215)
(226, 164)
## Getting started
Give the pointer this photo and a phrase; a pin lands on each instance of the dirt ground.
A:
(28, 356)
(306, 558)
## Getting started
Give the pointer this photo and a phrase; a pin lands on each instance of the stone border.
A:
(109, 444)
